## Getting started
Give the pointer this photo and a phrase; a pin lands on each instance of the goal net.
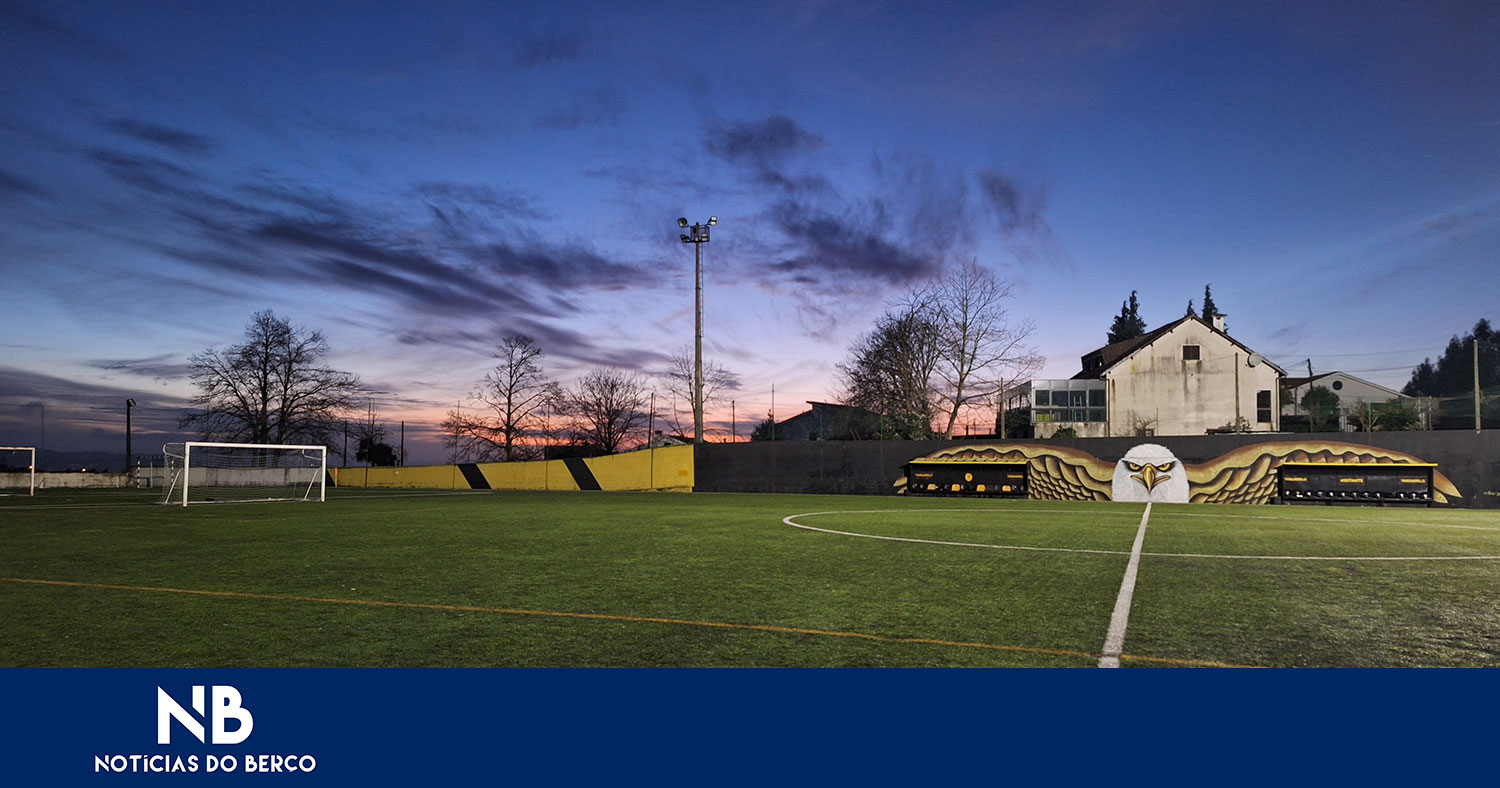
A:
(17, 470)
(239, 472)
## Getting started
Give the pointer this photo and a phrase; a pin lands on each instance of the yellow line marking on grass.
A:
(594, 617)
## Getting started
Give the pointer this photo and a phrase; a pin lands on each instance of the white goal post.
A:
(12, 479)
(204, 472)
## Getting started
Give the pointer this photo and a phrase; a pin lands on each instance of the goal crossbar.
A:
(244, 472)
(30, 472)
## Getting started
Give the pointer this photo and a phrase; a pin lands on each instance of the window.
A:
(1043, 398)
(1096, 398)
(1337, 385)
(1263, 406)
(1189, 352)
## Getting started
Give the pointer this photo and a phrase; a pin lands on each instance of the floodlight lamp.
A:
(713, 220)
(685, 239)
(681, 222)
(130, 403)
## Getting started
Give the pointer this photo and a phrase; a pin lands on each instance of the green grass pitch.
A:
(511, 579)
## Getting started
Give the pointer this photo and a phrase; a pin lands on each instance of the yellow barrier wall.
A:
(548, 475)
(669, 468)
(417, 477)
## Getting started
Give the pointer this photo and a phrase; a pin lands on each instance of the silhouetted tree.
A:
(979, 346)
(764, 431)
(272, 388)
(510, 405)
(1128, 324)
(605, 408)
(890, 370)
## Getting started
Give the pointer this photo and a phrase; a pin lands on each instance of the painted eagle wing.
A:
(1246, 475)
(1056, 473)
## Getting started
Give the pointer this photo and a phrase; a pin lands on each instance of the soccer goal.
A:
(17, 470)
(199, 472)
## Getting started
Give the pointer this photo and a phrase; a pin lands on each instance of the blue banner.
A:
(339, 726)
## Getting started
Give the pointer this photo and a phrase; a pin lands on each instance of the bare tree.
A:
(677, 379)
(509, 406)
(605, 408)
(890, 370)
(979, 348)
(271, 388)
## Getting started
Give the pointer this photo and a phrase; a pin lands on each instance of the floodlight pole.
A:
(698, 238)
(129, 403)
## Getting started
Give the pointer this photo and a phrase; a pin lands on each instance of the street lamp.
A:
(129, 403)
(698, 237)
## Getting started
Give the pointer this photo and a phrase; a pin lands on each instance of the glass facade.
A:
(1068, 401)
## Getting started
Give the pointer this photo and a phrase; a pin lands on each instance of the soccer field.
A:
(506, 579)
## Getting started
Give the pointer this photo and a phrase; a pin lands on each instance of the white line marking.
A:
(1114, 640)
(790, 520)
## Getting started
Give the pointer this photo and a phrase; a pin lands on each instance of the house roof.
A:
(1112, 354)
(1302, 381)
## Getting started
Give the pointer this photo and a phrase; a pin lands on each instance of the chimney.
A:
(1219, 323)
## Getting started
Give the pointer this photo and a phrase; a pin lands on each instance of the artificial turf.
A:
(508, 579)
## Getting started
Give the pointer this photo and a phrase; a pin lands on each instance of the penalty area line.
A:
(1114, 639)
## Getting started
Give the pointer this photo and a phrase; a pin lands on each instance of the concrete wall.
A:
(1470, 460)
(49, 481)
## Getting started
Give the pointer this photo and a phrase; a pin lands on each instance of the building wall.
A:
(1156, 386)
(1350, 390)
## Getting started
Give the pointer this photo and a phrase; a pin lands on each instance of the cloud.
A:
(825, 245)
(74, 408)
(146, 172)
(469, 197)
(1016, 210)
(159, 368)
(764, 147)
(597, 107)
(174, 139)
(562, 267)
(15, 184)
(553, 47)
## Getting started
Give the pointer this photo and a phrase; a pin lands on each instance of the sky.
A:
(419, 180)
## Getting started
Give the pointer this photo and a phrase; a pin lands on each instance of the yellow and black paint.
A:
(666, 469)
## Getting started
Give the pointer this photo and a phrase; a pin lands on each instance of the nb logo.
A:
(226, 706)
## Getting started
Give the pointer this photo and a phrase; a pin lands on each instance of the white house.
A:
(1353, 392)
(1188, 377)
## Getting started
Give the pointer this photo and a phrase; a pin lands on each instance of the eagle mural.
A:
(1149, 472)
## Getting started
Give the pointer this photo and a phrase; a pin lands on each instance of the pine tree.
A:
(1191, 312)
(1128, 324)
(1209, 307)
(1453, 373)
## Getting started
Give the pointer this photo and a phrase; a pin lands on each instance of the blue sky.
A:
(419, 180)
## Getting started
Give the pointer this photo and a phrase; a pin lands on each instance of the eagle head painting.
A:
(1149, 472)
